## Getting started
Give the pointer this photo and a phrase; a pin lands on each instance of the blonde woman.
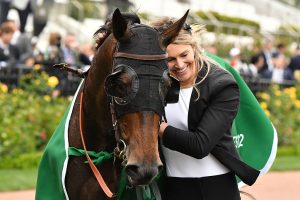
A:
(201, 160)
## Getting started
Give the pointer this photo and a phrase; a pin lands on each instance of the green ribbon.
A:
(97, 157)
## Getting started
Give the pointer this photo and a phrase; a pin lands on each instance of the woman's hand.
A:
(162, 128)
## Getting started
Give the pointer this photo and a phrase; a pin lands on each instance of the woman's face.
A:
(181, 63)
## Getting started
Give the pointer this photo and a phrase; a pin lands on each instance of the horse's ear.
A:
(119, 25)
(172, 31)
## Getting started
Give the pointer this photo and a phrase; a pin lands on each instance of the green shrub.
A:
(282, 105)
(288, 151)
(29, 115)
(22, 161)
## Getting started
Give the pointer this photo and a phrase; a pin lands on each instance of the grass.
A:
(17, 179)
(286, 163)
(23, 179)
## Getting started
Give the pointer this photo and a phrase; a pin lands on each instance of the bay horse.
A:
(121, 106)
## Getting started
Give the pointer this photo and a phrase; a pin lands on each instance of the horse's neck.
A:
(96, 112)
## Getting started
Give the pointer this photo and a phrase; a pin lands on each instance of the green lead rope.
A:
(149, 192)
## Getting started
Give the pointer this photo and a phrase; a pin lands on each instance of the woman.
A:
(200, 157)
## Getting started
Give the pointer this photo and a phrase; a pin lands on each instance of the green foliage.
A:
(288, 151)
(286, 163)
(37, 82)
(282, 105)
(21, 161)
(28, 116)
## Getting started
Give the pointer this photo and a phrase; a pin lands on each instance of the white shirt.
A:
(277, 75)
(179, 164)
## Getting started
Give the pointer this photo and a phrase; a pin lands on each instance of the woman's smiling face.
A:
(181, 63)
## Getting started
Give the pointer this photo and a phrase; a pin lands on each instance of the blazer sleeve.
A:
(215, 122)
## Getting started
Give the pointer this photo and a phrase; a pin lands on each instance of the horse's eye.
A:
(123, 85)
(118, 84)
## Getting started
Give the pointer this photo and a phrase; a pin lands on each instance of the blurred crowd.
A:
(270, 62)
(20, 49)
(17, 47)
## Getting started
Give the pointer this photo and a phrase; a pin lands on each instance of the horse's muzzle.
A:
(142, 174)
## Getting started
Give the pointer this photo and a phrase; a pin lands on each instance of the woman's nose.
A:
(179, 63)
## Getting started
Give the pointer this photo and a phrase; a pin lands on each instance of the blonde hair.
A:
(188, 35)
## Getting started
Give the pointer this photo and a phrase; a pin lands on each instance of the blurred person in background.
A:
(256, 63)
(9, 54)
(23, 43)
(38, 55)
(86, 54)
(239, 65)
(23, 8)
(54, 53)
(41, 11)
(280, 74)
(280, 48)
(70, 50)
(266, 52)
(235, 57)
(4, 9)
(294, 63)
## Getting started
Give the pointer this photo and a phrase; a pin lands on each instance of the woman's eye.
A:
(170, 59)
(184, 55)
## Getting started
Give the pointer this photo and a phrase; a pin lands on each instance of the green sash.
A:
(253, 133)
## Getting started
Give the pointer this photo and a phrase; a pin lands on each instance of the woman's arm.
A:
(216, 120)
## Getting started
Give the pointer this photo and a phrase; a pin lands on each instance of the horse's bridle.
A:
(140, 57)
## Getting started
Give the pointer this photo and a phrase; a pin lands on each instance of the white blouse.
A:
(179, 164)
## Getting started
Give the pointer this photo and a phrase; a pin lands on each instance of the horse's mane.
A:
(105, 30)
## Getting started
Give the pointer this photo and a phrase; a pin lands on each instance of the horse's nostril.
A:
(141, 174)
(131, 169)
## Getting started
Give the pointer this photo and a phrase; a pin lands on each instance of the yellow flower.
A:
(277, 103)
(277, 93)
(47, 98)
(265, 96)
(52, 81)
(297, 103)
(293, 96)
(3, 88)
(291, 92)
(17, 91)
(37, 66)
(37, 82)
(297, 75)
(264, 105)
(293, 89)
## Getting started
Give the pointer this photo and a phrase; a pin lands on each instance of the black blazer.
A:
(209, 121)
(12, 57)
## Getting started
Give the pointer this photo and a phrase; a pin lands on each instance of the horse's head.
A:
(139, 87)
